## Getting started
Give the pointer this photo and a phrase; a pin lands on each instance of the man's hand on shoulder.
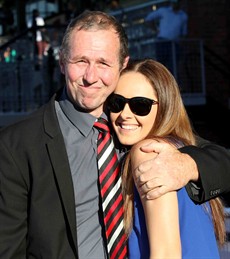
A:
(167, 170)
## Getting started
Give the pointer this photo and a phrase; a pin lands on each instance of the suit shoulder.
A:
(29, 125)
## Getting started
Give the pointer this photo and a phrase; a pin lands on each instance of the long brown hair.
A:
(172, 122)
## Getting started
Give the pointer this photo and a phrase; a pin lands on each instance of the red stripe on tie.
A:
(110, 181)
(108, 167)
(115, 205)
(114, 221)
(102, 144)
(109, 178)
(102, 126)
(124, 251)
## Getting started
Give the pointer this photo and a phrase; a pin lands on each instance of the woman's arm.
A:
(161, 216)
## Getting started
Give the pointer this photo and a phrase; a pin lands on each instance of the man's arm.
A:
(204, 169)
(213, 163)
(13, 208)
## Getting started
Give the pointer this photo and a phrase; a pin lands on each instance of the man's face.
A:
(92, 70)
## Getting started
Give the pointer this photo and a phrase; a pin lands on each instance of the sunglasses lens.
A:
(116, 103)
(140, 106)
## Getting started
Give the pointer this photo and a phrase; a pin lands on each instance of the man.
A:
(171, 23)
(49, 195)
(40, 36)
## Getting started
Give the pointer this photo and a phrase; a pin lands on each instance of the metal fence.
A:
(24, 87)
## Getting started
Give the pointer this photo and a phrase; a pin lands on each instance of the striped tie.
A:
(111, 195)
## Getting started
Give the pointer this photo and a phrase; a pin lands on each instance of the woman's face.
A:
(129, 127)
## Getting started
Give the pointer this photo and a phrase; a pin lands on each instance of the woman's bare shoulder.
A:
(138, 156)
(141, 143)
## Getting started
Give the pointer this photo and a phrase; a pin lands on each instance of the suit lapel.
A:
(64, 180)
(60, 163)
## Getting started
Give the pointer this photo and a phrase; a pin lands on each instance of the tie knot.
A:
(101, 124)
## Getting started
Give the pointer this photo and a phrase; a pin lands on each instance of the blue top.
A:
(172, 25)
(196, 230)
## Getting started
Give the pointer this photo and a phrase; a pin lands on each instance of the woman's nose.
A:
(126, 112)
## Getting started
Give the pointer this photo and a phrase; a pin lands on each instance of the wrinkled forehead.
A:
(93, 33)
(95, 44)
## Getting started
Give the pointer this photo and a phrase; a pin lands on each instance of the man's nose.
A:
(91, 74)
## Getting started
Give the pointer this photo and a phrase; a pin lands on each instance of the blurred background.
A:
(202, 67)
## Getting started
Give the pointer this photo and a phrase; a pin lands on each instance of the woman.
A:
(147, 104)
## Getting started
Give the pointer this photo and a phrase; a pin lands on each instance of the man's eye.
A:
(81, 61)
(104, 64)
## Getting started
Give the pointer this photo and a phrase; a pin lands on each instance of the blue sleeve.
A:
(155, 15)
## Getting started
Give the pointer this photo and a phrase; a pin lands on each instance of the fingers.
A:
(151, 147)
(147, 191)
(157, 146)
(156, 193)
(143, 189)
(143, 172)
(144, 179)
(147, 186)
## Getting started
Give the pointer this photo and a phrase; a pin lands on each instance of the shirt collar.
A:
(81, 120)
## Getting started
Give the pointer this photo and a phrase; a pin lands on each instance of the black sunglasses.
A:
(140, 106)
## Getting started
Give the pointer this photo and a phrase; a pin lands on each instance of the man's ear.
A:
(125, 62)
(61, 63)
